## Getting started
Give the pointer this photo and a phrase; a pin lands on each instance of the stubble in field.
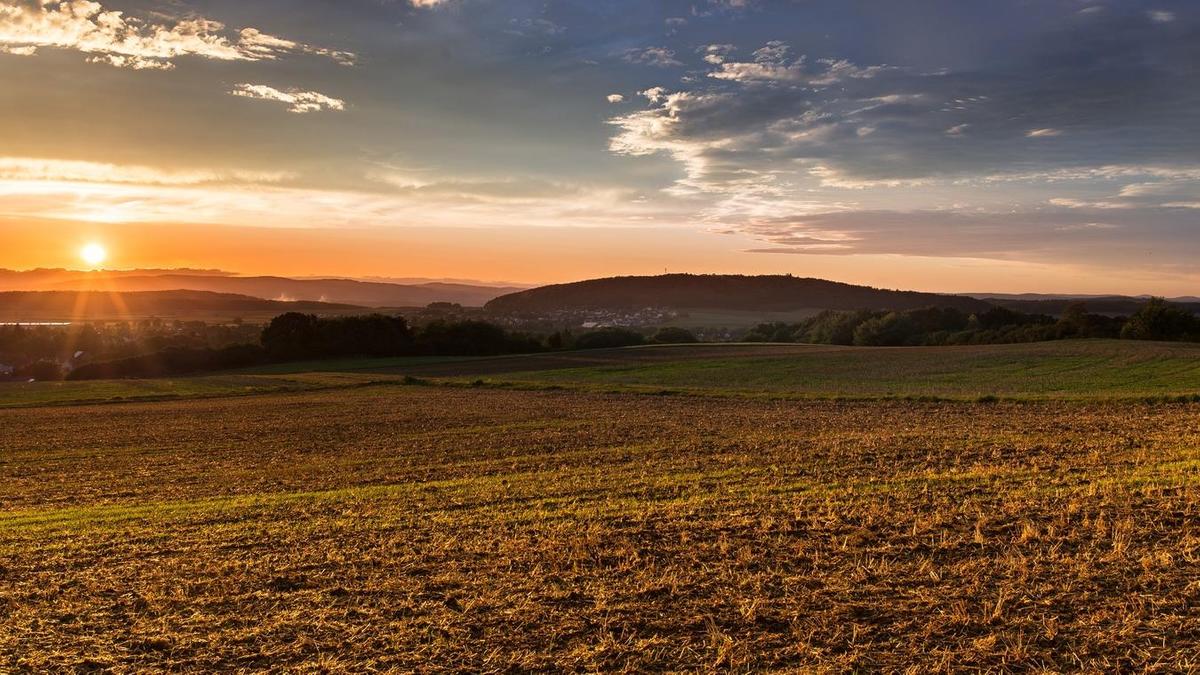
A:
(400, 528)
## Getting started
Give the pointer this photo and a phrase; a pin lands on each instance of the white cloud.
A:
(431, 201)
(770, 65)
(29, 50)
(59, 170)
(1072, 203)
(1083, 227)
(716, 53)
(129, 42)
(131, 62)
(298, 101)
(1161, 16)
(427, 3)
(615, 98)
(1042, 133)
(652, 56)
(775, 51)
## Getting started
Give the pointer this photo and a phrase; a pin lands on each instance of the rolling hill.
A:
(102, 305)
(334, 290)
(1112, 305)
(714, 291)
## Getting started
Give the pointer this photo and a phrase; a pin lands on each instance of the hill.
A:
(100, 305)
(717, 291)
(349, 291)
(1112, 305)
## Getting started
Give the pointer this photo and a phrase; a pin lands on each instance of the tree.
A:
(673, 335)
(775, 331)
(292, 336)
(1160, 320)
(892, 329)
(835, 328)
(464, 338)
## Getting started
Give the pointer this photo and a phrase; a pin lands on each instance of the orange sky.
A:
(530, 255)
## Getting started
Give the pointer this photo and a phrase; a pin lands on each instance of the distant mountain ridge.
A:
(104, 305)
(334, 290)
(721, 291)
(1112, 305)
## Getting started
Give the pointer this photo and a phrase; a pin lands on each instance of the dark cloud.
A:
(1085, 235)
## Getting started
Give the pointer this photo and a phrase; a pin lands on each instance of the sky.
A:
(949, 145)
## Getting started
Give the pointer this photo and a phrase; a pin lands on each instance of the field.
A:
(1083, 369)
(376, 523)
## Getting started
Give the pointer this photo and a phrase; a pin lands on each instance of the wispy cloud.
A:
(28, 50)
(651, 56)
(297, 100)
(60, 170)
(130, 42)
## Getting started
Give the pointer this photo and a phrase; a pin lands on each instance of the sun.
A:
(93, 254)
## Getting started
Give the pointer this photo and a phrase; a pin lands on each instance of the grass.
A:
(1091, 369)
(1067, 369)
(416, 528)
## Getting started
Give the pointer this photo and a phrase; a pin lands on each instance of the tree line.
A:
(297, 337)
(1155, 320)
(302, 337)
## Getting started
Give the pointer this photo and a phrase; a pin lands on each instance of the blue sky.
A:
(1016, 145)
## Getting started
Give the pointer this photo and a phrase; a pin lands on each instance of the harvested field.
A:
(427, 528)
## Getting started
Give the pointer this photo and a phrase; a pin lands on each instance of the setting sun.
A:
(93, 254)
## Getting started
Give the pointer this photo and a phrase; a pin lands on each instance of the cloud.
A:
(771, 64)
(131, 62)
(82, 191)
(29, 50)
(1082, 235)
(536, 26)
(767, 142)
(427, 3)
(652, 56)
(826, 71)
(716, 53)
(1161, 16)
(129, 42)
(1109, 91)
(615, 98)
(59, 170)
(297, 100)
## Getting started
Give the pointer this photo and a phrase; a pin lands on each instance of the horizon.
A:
(182, 271)
(934, 146)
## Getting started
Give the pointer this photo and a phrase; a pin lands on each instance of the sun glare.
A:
(93, 254)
